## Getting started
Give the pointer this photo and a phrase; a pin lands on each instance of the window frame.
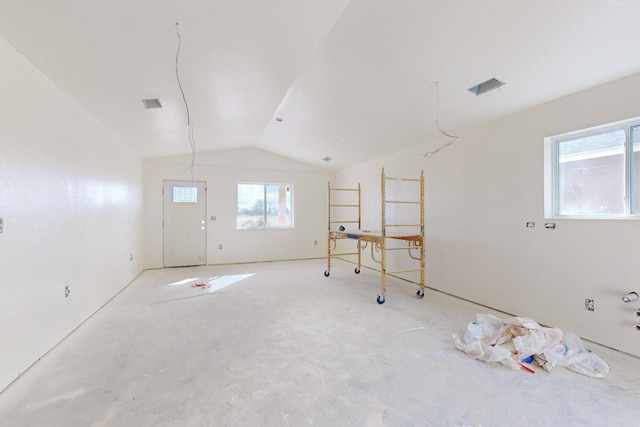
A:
(265, 224)
(552, 174)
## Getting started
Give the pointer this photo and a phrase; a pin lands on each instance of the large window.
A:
(594, 173)
(264, 206)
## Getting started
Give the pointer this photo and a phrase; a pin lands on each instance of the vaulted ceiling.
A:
(346, 79)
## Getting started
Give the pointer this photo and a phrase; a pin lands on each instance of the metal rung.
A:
(344, 189)
(403, 249)
(403, 225)
(403, 179)
(345, 222)
(401, 201)
(350, 253)
(344, 206)
(402, 271)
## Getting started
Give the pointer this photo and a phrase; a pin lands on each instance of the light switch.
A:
(1, 225)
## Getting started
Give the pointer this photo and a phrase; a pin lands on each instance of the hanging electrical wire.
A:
(454, 138)
(192, 141)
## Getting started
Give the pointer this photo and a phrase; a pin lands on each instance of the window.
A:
(185, 194)
(264, 206)
(594, 173)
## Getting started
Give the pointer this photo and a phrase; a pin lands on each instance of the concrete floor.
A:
(286, 346)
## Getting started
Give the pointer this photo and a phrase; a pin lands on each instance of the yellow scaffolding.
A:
(411, 233)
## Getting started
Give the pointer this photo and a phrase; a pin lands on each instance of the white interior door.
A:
(185, 225)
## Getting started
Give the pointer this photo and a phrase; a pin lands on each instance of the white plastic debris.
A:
(520, 342)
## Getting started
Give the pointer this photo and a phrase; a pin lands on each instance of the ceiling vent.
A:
(152, 103)
(485, 87)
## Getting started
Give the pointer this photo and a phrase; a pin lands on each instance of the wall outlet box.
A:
(589, 305)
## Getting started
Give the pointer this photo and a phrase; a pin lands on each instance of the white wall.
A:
(481, 192)
(222, 171)
(70, 197)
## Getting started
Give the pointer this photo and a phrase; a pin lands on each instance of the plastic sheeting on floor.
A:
(521, 343)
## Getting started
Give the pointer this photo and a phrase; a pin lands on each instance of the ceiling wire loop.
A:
(454, 138)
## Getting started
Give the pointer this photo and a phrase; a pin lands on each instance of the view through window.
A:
(595, 172)
(264, 206)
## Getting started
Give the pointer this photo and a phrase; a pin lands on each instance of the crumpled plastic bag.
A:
(536, 340)
(486, 353)
(510, 341)
(572, 354)
(589, 364)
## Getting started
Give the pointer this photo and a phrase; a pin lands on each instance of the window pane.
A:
(250, 206)
(279, 206)
(591, 174)
(635, 170)
(185, 194)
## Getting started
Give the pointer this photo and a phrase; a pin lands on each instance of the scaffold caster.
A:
(420, 293)
(357, 270)
(326, 273)
(380, 299)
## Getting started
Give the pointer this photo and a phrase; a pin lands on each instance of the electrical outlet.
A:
(531, 224)
(1, 225)
(550, 225)
(131, 257)
(67, 291)
(315, 242)
(589, 304)
(220, 246)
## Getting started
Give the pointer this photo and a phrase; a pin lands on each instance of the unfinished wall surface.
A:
(222, 171)
(71, 202)
(481, 192)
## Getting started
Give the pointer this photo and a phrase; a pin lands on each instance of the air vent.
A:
(152, 103)
(485, 87)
